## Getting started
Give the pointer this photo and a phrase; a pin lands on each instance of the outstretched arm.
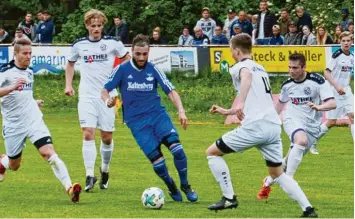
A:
(175, 98)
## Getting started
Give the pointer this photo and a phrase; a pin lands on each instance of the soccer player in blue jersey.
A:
(148, 120)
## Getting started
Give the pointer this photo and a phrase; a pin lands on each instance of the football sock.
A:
(5, 161)
(60, 171)
(352, 130)
(292, 189)
(294, 159)
(106, 156)
(89, 155)
(323, 130)
(220, 171)
(268, 181)
(180, 162)
(161, 170)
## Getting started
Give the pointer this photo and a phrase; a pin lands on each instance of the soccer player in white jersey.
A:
(96, 54)
(260, 128)
(338, 73)
(22, 119)
(306, 95)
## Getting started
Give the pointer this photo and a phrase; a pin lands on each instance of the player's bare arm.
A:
(69, 74)
(327, 105)
(6, 90)
(175, 98)
(279, 106)
(245, 84)
(217, 109)
(328, 76)
(105, 96)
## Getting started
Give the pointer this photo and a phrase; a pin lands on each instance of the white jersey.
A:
(96, 63)
(19, 109)
(208, 27)
(259, 104)
(341, 67)
(313, 89)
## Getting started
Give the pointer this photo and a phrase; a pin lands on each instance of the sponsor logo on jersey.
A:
(346, 68)
(95, 58)
(103, 47)
(307, 90)
(301, 100)
(149, 78)
(130, 77)
(134, 86)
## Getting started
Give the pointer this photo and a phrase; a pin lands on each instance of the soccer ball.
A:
(153, 197)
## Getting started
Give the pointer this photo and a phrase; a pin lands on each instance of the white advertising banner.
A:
(54, 58)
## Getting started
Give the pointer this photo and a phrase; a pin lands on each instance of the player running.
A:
(306, 96)
(148, 120)
(338, 73)
(96, 54)
(22, 119)
(260, 128)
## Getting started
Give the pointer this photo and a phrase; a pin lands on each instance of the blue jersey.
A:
(138, 88)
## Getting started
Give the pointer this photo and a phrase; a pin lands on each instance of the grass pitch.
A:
(33, 191)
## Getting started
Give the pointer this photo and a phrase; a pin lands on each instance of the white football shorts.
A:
(93, 113)
(345, 104)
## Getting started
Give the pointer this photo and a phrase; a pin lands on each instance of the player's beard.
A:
(138, 66)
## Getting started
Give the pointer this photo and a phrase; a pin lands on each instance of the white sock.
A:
(323, 130)
(60, 171)
(268, 181)
(291, 187)
(106, 156)
(5, 161)
(89, 155)
(352, 130)
(220, 171)
(294, 159)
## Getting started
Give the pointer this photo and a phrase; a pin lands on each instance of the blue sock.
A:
(161, 170)
(180, 162)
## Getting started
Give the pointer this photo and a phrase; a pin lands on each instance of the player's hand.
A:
(341, 91)
(314, 106)
(239, 111)
(218, 109)
(111, 102)
(18, 84)
(69, 91)
(183, 119)
(40, 102)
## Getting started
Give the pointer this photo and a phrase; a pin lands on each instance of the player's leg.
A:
(300, 142)
(88, 118)
(106, 123)
(40, 136)
(170, 138)
(351, 118)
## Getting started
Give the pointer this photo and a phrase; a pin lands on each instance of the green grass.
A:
(33, 191)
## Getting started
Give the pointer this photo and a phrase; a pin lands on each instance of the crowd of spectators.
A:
(264, 28)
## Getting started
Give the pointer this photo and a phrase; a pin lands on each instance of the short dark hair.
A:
(18, 29)
(118, 16)
(185, 27)
(46, 12)
(140, 40)
(298, 57)
(284, 9)
(243, 42)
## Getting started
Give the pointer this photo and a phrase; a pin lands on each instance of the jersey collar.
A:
(93, 41)
(134, 65)
(300, 82)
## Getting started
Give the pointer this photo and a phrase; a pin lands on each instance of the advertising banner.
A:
(274, 59)
(4, 55)
(167, 59)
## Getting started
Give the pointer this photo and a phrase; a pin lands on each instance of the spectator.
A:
(45, 29)
(254, 21)
(266, 20)
(157, 39)
(277, 38)
(323, 37)
(28, 27)
(237, 29)
(185, 39)
(39, 17)
(4, 37)
(20, 35)
(207, 24)
(308, 36)
(200, 38)
(293, 37)
(244, 23)
(346, 19)
(118, 30)
(351, 27)
(304, 19)
(219, 37)
(284, 21)
(338, 31)
(231, 17)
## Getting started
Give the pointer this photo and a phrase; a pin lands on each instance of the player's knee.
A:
(171, 140)
(14, 165)
(331, 123)
(107, 140)
(88, 135)
(155, 156)
(351, 117)
(301, 141)
(46, 151)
